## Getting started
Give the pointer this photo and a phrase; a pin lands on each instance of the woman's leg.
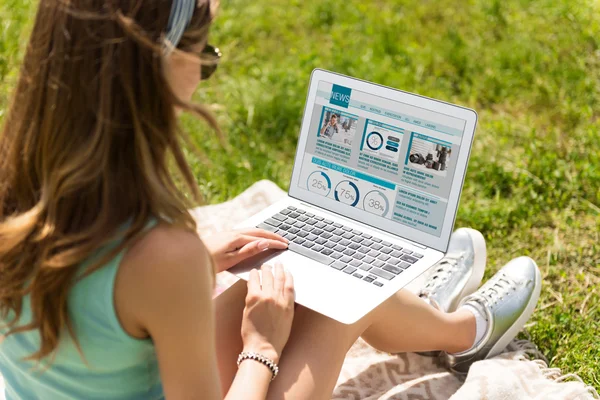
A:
(315, 352)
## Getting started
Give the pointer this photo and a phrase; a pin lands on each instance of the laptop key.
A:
(335, 238)
(345, 259)
(290, 221)
(294, 215)
(311, 221)
(291, 208)
(320, 225)
(298, 241)
(393, 269)
(326, 235)
(321, 241)
(336, 255)
(289, 236)
(357, 239)
(357, 275)
(317, 231)
(365, 267)
(329, 245)
(377, 283)
(266, 227)
(354, 246)
(364, 250)
(376, 246)
(300, 211)
(311, 237)
(394, 261)
(299, 224)
(376, 240)
(368, 279)
(417, 255)
(368, 259)
(318, 247)
(356, 232)
(313, 255)
(366, 236)
(273, 222)
(347, 235)
(386, 244)
(349, 252)
(339, 248)
(386, 250)
(285, 211)
(309, 214)
(327, 252)
(367, 242)
(382, 274)
(383, 257)
(328, 221)
(358, 256)
(337, 225)
(345, 242)
(346, 228)
(409, 259)
(349, 270)
(404, 265)
(293, 230)
(355, 263)
(308, 244)
(378, 263)
(303, 234)
(284, 227)
(329, 228)
(396, 253)
(373, 253)
(318, 218)
(338, 265)
(407, 251)
(279, 217)
(396, 247)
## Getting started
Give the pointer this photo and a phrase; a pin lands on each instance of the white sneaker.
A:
(507, 301)
(459, 273)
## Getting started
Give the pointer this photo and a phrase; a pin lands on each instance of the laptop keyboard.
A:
(348, 250)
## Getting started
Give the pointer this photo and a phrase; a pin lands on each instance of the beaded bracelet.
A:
(261, 359)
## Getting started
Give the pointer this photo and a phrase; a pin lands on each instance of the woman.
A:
(105, 288)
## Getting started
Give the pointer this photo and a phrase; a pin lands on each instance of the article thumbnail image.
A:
(337, 126)
(429, 156)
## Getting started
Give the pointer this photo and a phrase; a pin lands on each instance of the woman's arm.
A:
(164, 290)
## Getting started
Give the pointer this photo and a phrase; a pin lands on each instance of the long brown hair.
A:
(85, 150)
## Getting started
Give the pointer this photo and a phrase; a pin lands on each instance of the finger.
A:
(254, 283)
(253, 248)
(278, 280)
(267, 279)
(289, 291)
(261, 233)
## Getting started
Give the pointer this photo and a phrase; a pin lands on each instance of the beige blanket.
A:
(519, 373)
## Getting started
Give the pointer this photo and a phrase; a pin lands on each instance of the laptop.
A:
(373, 195)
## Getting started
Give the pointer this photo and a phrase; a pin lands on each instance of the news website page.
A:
(389, 159)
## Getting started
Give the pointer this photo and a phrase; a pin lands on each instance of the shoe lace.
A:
(496, 288)
(442, 271)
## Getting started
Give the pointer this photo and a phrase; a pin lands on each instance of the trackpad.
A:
(243, 269)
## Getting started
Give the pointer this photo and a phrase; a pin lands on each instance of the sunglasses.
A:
(211, 53)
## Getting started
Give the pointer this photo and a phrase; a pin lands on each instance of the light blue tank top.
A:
(116, 366)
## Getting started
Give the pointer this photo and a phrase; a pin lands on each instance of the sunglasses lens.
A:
(213, 54)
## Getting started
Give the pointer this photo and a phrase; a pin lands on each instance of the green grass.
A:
(530, 68)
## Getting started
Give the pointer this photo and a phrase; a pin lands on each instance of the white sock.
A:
(481, 323)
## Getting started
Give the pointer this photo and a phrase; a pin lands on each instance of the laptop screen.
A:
(387, 159)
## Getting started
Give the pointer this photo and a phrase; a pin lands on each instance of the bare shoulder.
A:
(166, 266)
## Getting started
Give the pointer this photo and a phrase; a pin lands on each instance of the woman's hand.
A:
(231, 248)
(269, 312)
